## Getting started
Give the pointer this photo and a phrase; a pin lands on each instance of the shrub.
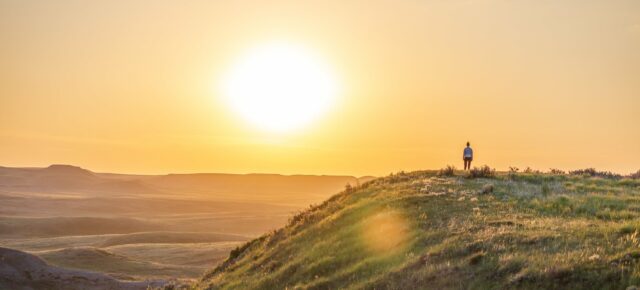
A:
(513, 172)
(397, 178)
(609, 174)
(586, 171)
(556, 171)
(482, 172)
(530, 170)
(487, 188)
(635, 175)
(592, 172)
(447, 171)
(348, 188)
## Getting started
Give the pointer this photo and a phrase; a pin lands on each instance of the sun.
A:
(280, 87)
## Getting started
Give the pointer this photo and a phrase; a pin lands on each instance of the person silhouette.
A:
(467, 156)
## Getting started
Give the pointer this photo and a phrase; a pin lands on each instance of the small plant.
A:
(531, 170)
(235, 253)
(398, 177)
(482, 172)
(447, 171)
(513, 171)
(348, 188)
(486, 189)
(586, 171)
(556, 171)
(592, 172)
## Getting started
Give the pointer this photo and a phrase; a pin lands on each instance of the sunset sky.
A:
(134, 86)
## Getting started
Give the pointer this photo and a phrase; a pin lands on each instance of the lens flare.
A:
(386, 232)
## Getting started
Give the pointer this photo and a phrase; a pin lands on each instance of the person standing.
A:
(467, 156)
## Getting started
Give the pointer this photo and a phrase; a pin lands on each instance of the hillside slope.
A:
(22, 271)
(417, 230)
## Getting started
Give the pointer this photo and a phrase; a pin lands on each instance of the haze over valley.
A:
(135, 227)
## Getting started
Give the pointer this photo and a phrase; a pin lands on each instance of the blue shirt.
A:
(468, 152)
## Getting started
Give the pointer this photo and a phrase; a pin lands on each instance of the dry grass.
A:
(482, 172)
(532, 231)
(450, 170)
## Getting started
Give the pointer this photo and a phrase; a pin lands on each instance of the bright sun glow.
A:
(280, 87)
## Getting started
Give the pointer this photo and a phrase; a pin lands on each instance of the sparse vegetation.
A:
(482, 172)
(450, 170)
(592, 172)
(531, 170)
(556, 171)
(513, 171)
(537, 231)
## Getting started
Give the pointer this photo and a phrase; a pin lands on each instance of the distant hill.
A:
(420, 231)
(69, 179)
(65, 178)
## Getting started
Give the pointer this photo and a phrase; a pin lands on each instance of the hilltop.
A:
(420, 230)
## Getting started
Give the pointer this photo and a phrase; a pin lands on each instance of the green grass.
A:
(116, 265)
(420, 230)
(146, 255)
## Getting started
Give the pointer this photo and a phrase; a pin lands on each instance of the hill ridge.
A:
(408, 230)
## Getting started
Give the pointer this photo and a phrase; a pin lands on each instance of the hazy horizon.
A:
(284, 174)
(171, 172)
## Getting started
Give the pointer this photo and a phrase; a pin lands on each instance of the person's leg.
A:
(466, 163)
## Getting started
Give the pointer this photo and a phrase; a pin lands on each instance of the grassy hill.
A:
(421, 230)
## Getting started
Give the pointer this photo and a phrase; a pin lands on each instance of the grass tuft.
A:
(450, 170)
(482, 172)
(592, 172)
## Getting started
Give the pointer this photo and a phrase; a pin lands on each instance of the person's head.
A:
(468, 144)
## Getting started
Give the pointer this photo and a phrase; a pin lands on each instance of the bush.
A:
(482, 172)
(348, 188)
(513, 172)
(556, 171)
(397, 178)
(447, 171)
(487, 188)
(592, 172)
(586, 171)
(635, 175)
(530, 170)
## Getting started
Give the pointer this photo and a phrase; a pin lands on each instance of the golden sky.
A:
(128, 86)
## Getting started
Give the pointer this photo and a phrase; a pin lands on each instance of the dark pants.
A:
(467, 162)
